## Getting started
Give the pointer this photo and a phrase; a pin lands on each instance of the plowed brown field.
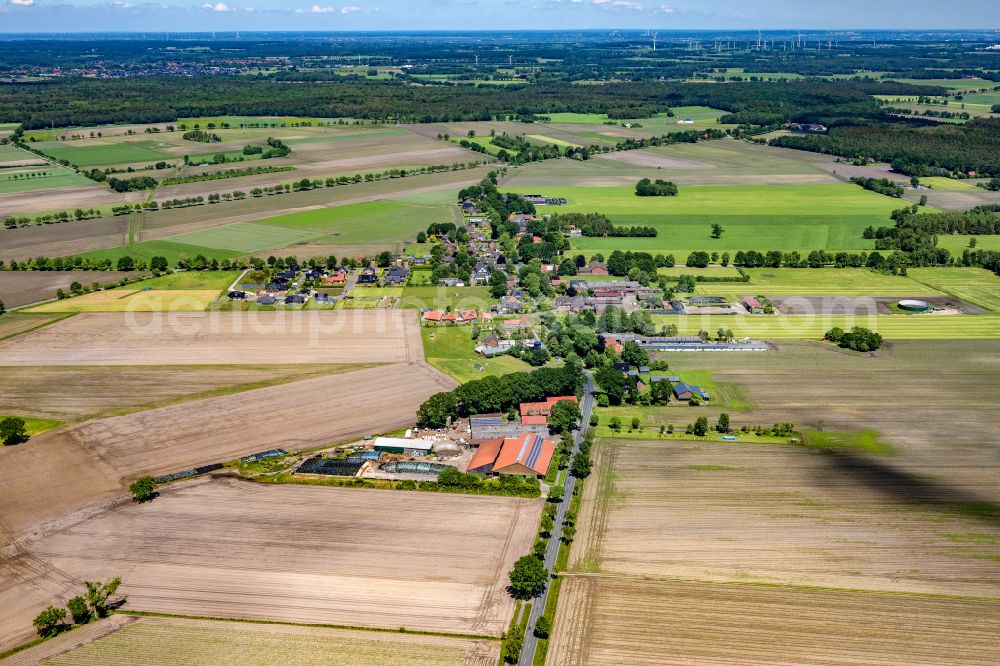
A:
(304, 554)
(196, 338)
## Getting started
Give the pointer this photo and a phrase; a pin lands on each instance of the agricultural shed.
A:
(411, 447)
(527, 455)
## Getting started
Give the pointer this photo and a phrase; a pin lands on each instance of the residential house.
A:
(368, 275)
(535, 413)
(336, 279)
(519, 324)
(266, 299)
(593, 268)
(237, 295)
(395, 276)
(295, 299)
(685, 391)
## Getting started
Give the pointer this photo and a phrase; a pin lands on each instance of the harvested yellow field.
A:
(303, 554)
(196, 338)
(140, 641)
(128, 300)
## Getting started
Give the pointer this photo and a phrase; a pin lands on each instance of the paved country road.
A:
(538, 606)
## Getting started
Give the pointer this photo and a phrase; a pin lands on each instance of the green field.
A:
(363, 223)
(661, 123)
(160, 248)
(46, 178)
(819, 282)
(975, 285)
(186, 280)
(939, 183)
(795, 327)
(458, 298)
(9, 153)
(450, 350)
(957, 244)
(554, 142)
(103, 154)
(484, 141)
(709, 272)
(245, 237)
(759, 217)
(35, 426)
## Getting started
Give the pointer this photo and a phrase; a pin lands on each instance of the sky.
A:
(333, 15)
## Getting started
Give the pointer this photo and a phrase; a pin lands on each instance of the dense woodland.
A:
(165, 99)
(918, 151)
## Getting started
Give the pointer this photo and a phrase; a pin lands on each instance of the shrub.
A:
(528, 578)
(543, 627)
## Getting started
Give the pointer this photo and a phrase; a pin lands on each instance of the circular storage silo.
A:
(911, 305)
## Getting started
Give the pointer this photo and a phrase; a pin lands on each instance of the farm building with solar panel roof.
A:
(527, 455)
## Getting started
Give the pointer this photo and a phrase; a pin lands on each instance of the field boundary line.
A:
(779, 586)
(382, 630)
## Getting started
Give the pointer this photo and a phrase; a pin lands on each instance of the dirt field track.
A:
(127, 640)
(221, 338)
(303, 554)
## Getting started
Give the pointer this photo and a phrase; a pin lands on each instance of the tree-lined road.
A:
(552, 551)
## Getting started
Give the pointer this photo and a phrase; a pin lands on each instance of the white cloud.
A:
(217, 7)
(316, 9)
(666, 9)
(22, 3)
(618, 4)
(350, 10)
(122, 5)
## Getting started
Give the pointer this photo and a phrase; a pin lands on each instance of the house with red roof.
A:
(531, 412)
(433, 316)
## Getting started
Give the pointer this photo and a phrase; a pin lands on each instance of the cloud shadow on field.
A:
(880, 477)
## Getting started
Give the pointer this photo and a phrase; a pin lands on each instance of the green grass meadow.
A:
(450, 350)
(46, 178)
(819, 282)
(363, 223)
(802, 327)
(760, 217)
(103, 154)
(161, 248)
(245, 237)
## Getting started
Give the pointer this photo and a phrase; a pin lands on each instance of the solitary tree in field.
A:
(701, 426)
(143, 489)
(717, 230)
(3, 308)
(13, 430)
(50, 621)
